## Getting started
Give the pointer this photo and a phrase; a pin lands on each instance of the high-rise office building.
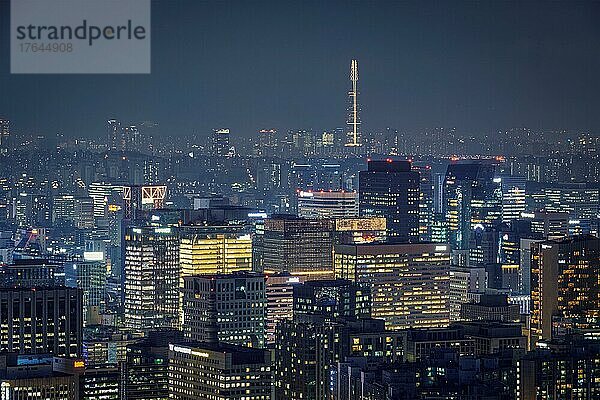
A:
(89, 276)
(104, 194)
(426, 194)
(360, 230)
(280, 301)
(332, 299)
(409, 282)
(460, 280)
(32, 210)
(299, 246)
(579, 200)
(307, 348)
(513, 196)
(63, 209)
(151, 278)
(225, 308)
(550, 225)
(41, 320)
(38, 378)
(560, 372)
(101, 382)
(565, 294)
(133, 138)
(472, 199)
(390, 189)
(220, 142)
(327, 204)
(83, 212)
(32, 273)
(267, 143)
(146, 370)
(525, 265)
(116, 141)
(219, 371)
(214, 249)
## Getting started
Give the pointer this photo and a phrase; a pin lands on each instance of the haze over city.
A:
(479, 67)
(299, 200)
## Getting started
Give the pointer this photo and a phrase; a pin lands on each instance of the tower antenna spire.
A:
(353, 117)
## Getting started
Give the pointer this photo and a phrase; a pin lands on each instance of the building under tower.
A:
(353, 121)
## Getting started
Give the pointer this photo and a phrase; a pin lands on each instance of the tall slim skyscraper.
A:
(426, 192)
(472, 199)
(4, 134)
(151, 278)
(513, 196)
(116, 140)
(390, 189)
(353, 110)
(220, 142)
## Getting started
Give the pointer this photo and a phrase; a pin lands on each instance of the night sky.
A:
(478, 66)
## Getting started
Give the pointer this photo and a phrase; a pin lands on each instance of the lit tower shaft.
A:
(353, 118)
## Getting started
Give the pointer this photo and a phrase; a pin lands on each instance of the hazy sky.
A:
(247, 65)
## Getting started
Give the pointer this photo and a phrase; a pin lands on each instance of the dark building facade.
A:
(390, 189)
(472, 200)
(41, 321)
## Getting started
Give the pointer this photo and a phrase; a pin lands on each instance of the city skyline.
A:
(483, 68)
(255, 220)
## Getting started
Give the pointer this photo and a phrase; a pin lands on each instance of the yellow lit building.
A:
(565, 294)
(409, 283)
(214, 249)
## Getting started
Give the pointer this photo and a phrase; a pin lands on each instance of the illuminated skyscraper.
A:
(116, 139)
(409, 282)
(151, 278)
(513, 196)
(280, 301)
(425, 201)
(390, 189)
(266, 143)
(472, 200)
(89, 275)
(327, 204)
(214, 249)
(297, 245)
(219, 371)
(104, 194)
(565, 294)
(41, 320)
(550, 225)
(227, 308)
(353, 110)
(220, 142)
